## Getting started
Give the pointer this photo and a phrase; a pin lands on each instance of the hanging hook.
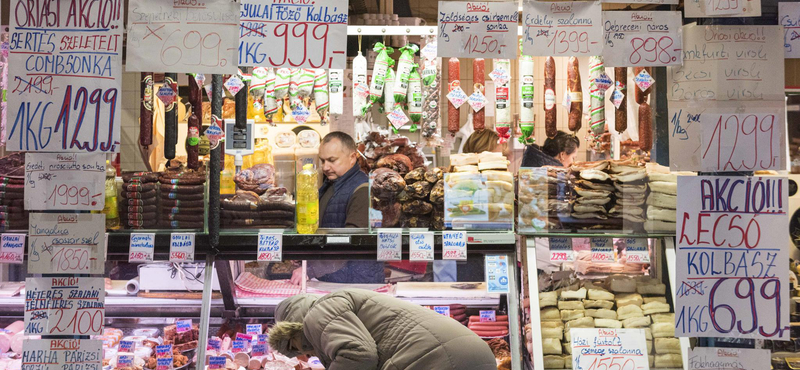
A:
(359, 41)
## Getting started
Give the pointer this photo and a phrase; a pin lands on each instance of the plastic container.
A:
(307, 200)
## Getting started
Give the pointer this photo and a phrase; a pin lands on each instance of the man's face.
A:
(335, 159)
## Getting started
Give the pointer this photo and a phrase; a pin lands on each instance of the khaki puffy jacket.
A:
(355, 329)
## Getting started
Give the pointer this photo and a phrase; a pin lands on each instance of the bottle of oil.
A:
(307, 200)
(226, 184)
(110, 209)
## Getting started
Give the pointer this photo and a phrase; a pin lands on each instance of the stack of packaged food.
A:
(139, 202)
(182, 199)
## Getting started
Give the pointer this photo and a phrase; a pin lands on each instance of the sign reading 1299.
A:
(293, 33)
(64, 76)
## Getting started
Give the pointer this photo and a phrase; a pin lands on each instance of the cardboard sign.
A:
(270, 247)
(637, 250)
(789, 18)
(64, 77)
(454, 245)
(602, 249)
(181, 247)
(66, 243)
(609, 348)
(182, 36)
(642, 38)
(478, 29)
(64, 306)
(738, 63)
(497, 274)
(274, 33)
(390, 245)
(58, 354)
(731, 238)
(72, 181)
(12, 248)
(142, 247)
(420, 246)
(561, 250)
(570, 28)
(722, 8)
(705, 358)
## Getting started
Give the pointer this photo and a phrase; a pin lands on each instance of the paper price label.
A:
(254, 329)
(442, 310)
(477, 101)
(238, 346)
(602, 249)
(617, 97)
(259, 349)
(499, 76)
(66, 243)
(709, 358)
(234, 84)
(608, 348)
(300, 114)
(65, 181)
(12, 248)
(454, 245)
(183, 326)
(270, 248)
(603, 82)
(390, 245)
(477, 29)
(488, 316)
(124, 361)
(181, 247)
(497, 274)
(142, 246)
(398, 118)
(164, 363)
(127, 346)
(644, 80)
(216, 362)
(571, 28)
(642, 38)
(421, 246)
(561, 250)
(164, 351)
(214, 343)
(457, 96)
(636, 250)
(57, 354)
(262, 338)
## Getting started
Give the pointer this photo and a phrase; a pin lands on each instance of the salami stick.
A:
(453, 72)
(146, 111)
(550, 113)
(170, 120)
(621, 113)
(575, 94)
(193, 134)
(478, 70)
(645, 127)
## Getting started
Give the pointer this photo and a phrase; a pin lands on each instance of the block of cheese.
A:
(551, 346)
(550, 313)
(662, 200)
(665, 177)
(583, 322)
(622, 284)
(663, 214)
(470, 168)
(504, 176)
(636, 322)
(630, 299)
(652, 360)
(663, 329)
(663, 317)
(607, 323)
(490, 156)
(664, 187)
(591, 303)
(655, 307)
(547, 299)
(567, 347)
(599, 294)
(557, 333)
(570, 305)
(629, 311)
(567, 315)
(463, 159)
(554, 362)
(648, 334)
(552, 324)
(601, 313)
(567, 362)
(574, 294)
(655, 299)
(567, 337)
(652, 289)
(649, 346)
(668, 345)
(668, 360)
(498, 164)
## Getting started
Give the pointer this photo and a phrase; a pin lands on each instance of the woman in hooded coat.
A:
(356, 329)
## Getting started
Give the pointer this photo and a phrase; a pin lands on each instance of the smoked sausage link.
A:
(575, 94)
(453, 71)
(621, 113)
(550, 113)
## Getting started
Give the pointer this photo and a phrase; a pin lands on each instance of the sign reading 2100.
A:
(65, 61)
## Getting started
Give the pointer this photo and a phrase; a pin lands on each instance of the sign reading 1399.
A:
(478, 29)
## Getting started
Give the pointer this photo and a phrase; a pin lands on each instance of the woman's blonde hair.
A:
(481, 141)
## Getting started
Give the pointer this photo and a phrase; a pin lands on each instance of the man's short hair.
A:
(343, 138)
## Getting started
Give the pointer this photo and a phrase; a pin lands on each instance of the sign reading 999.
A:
(731, 257)
(64, 79)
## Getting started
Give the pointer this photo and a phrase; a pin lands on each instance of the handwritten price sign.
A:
(595, 349)
(730, 236)
(270, 247)
(642, 38)
(561, 250)
(421, 246)
(298, 34)
(142, 247)
(64, 306)
(62, 354)
(454, 245)
(66, 243)
(390, 245)
(637, 250)
(602, 249)
(181, 247)
(70, 181)
(12, 248)
(570, 28)
(182, 36)
(789, 18)
(478, 29)
(64, 86)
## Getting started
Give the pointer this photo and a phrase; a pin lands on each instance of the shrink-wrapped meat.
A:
(397, 162)
(418, 174)
(387, 184)
(419, 189)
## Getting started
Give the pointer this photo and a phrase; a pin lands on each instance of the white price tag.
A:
(442, 310)
(561, 250)
(602, 249)
(421, 246)
(390, 245)
(65, 181)
(457, 96)
(12, 248)
(270, 248)
(636, 250)
(181, 247)
(454, 245)
(142, 247)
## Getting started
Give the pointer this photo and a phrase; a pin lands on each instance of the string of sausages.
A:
(453, 73)
(645, 112)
